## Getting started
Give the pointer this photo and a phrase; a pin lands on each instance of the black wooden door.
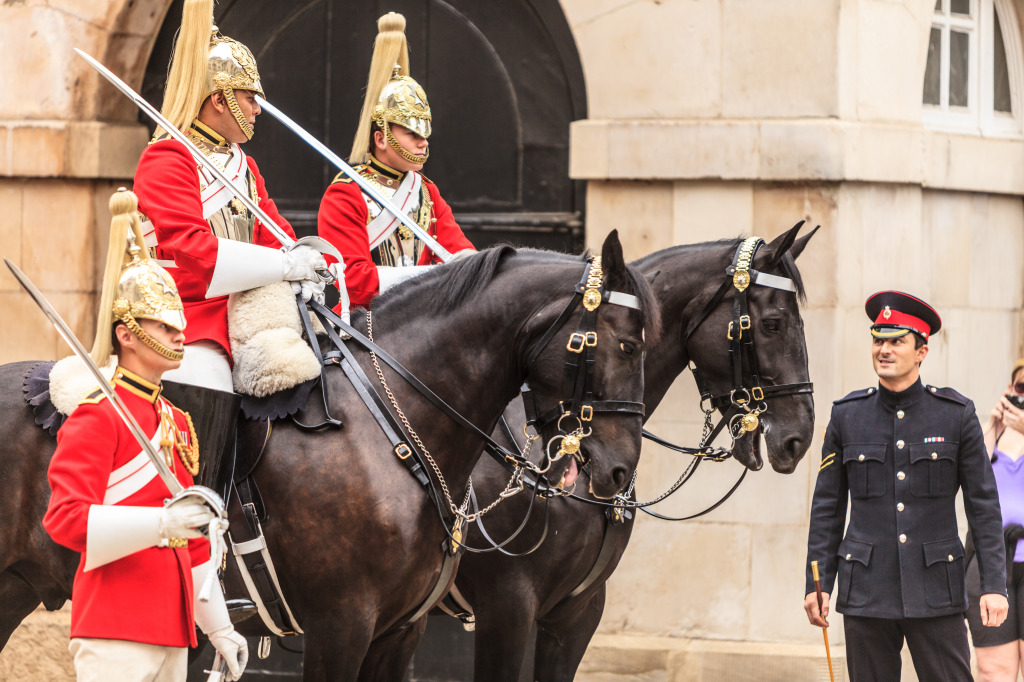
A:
(504, 82)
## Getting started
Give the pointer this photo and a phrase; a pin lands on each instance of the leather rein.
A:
(577, 401)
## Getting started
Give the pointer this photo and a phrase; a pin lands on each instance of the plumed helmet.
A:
(146, 291)
(205, 62)
(403, 102)
(231, 66)
(392, 95)
(135, 287)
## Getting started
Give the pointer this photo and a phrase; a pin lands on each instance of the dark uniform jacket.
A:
(902, 457)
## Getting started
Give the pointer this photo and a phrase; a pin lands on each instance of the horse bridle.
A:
(742, 406)
(581, 350)
(579, 402)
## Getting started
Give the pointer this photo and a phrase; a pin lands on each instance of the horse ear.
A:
(612, 261)
(801, 243)
(781, 244)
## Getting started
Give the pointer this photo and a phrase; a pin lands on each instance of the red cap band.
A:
(894, 318)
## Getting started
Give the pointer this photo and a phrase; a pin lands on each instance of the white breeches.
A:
(104, 660)
(206, 365)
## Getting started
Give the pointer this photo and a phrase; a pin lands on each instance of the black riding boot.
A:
(215, 417)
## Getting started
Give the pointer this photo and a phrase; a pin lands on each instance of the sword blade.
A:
(172, 483)
(283, 237)
(367, 188)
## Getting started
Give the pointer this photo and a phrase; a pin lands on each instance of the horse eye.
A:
(771, 325)
(627, 348)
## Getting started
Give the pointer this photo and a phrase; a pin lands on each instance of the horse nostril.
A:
(620, 476)
(794, 445)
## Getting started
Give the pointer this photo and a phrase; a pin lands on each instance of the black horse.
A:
(356, 542)
(509, 596)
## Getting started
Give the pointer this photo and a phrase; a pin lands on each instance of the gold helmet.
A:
(205, 62)
(392, 96)
(135, 287)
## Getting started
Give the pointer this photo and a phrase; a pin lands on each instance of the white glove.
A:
(233, 647)
(310, 290)
(388, 276)
(182, 518)
(213, 619)
(301, 263)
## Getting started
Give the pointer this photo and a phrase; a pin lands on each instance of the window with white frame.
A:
(972, 78)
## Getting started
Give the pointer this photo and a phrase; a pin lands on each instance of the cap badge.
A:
(887, 313)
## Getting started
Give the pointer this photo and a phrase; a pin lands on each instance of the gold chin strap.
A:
(130, 322)
(236, 111)
(397, 146)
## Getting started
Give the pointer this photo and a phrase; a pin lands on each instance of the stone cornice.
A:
(802, 150)
(70, 149)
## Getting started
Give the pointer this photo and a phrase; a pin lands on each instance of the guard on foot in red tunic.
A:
(134, 599)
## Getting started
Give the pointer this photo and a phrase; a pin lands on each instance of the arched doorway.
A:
(504, 81)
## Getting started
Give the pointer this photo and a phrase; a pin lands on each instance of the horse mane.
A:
(456, 282)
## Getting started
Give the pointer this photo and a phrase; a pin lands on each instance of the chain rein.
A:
(514, 484)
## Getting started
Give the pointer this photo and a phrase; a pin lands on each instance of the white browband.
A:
(627, 300)
(774, 281)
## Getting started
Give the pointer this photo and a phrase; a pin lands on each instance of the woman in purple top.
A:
(1000, 650)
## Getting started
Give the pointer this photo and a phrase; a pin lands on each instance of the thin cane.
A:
(824, 630)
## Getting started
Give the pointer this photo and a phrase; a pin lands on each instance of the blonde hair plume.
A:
(389, 49)
(187, 86)
(124, 228)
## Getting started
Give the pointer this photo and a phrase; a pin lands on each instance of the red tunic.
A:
(167, 184)
(342, 221)
(146, 596)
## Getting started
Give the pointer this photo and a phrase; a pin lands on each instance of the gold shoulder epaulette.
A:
(342, 177)
(159, 138)
(95, 397)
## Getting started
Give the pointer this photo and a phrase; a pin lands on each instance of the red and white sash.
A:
(133, 476)
(215, 195)
(404, 198)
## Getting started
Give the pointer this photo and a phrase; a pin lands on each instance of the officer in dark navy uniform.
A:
(902, 451)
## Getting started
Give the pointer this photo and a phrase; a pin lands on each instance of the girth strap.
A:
(614, 529)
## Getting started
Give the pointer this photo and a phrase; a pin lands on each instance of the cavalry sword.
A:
(824, 631)
(367, 188)
(64, 330)
(283, 237)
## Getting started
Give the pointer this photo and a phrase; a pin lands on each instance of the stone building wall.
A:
(712, 119)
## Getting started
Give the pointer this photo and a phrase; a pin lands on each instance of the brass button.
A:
(899, 415)
(860, 458)
(848, 556)
(903, 537)
(900, 475)
(899, 444)
(950, 557)
(932, 389)
(899, 506)
(935, 455)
